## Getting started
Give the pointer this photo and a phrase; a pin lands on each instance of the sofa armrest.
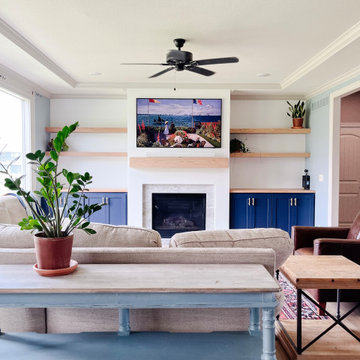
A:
(304, 236)
(350, 248)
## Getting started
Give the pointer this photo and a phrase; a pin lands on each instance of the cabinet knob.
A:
(253, 201)
(107, 201)
(295, 204)
(249, 201)
(291, 202)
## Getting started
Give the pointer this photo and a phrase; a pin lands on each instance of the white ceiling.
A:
(305, 44)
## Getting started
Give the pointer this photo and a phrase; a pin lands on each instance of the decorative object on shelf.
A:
(50, 146)
(237, 145)
(306, 180)
(297, 113)
(54, 237)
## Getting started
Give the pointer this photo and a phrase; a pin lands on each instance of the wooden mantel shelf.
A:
(178, 162)
(270, 131)
(103, 130)
(91, 154)
(270, 155)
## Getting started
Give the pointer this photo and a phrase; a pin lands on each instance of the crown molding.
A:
(147, 85)
(267, 97)
(15, 37)
(335, 82)
(335, 46)
(88, 96)
(13, 81)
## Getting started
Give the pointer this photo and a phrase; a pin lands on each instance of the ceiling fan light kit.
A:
(180, 60)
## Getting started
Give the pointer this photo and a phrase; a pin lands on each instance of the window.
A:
(12, 139)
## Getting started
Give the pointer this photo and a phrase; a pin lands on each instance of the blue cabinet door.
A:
(101, 216)
(281, 211)
(304, 205)
(117, 203)
(260, 210)
(239, 211)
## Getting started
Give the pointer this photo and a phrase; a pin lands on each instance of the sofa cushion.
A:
(276, 239)
(11, 210)
(24, 320)
(106, 236)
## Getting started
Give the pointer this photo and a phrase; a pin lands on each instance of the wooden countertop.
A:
(287, 191)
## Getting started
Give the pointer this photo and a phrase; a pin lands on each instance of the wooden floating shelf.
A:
(270, 131)
(178, 162)
(90, 154)
(270, 155)
(90, 130)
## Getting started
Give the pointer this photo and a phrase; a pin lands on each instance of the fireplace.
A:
(173, 213)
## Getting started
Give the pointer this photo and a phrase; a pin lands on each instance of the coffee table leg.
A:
(298, 322)
(124, 322)
(268, 330)
(254, 327)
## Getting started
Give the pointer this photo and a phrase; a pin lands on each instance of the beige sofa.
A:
(125, 244)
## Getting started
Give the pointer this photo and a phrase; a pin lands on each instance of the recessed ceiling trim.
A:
(335, 46)
(130, 85)
(15, 37)
(332, 83)
(267, 97)
(13, 79)
(89, 96)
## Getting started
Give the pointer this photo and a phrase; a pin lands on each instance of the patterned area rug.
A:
(309, 310)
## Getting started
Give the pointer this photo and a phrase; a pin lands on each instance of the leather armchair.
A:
(329, 241)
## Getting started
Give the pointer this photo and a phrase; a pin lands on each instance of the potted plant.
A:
(297, 112)
(53, 238)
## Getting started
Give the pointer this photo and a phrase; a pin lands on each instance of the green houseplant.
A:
(53, 228)
(297, 113)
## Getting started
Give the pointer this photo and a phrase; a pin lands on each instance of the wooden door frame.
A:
(334, 149)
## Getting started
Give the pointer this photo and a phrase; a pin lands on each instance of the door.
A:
(349, 182)
(101, 216)
(303, 209)
(240, 211)
(282, 211)
(117, 203)
(260, 209)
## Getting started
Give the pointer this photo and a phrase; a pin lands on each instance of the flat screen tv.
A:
(178, 123)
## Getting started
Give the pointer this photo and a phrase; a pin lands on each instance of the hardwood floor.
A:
(348, 347)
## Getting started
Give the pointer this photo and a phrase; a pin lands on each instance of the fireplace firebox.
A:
(173, 213)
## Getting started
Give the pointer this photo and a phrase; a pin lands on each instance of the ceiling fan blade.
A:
(225, 60)
(200, 70)
(144, 64)
(162, 72)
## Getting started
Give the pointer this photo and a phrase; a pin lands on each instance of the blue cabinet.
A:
(278, 210)
(249, 211)
(115, 210)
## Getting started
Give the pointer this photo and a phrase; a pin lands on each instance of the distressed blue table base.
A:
(125, 301)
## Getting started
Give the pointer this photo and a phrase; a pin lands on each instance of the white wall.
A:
(107, 172)
(266, 172)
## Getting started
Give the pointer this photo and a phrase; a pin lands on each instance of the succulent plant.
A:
(297, 110)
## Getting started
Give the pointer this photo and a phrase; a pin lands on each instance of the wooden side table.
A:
(320, 272)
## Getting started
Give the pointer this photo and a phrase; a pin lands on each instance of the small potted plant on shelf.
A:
(54, 238)
(237, 145)
(297, 113)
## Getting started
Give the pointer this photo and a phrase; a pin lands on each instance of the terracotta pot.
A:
(298, 123)
(53, 253)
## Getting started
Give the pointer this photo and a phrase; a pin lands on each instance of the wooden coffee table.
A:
(129, 286)
(320, 272)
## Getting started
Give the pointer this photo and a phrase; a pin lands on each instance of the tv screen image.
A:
(178, 123)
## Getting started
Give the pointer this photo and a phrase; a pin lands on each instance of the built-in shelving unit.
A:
(270, 155)
(270, 131)
(90, 154)
(103, 130)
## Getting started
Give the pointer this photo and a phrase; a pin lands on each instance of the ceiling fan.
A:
(180, 60)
